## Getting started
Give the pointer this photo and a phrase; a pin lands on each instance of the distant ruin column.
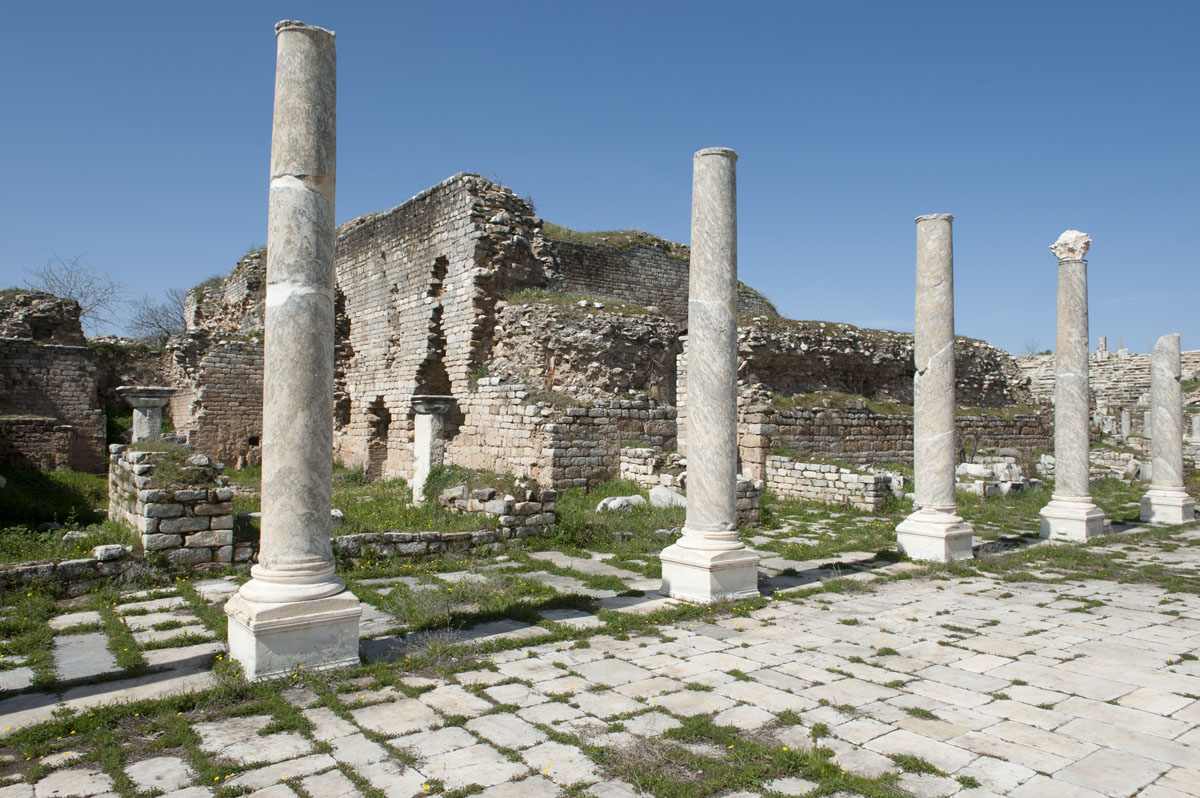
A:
(1166, 502)
(147, 403)
(1071, 515)
(1126, 424)
(295, 612)
(710, 562)
(933, 531)
(429, 442)
(1196, 429)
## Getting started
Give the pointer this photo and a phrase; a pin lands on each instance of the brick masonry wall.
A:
(821, 482)
(1115, 380)
(58, 382)
(35, 442)
(219, 402)
(858, 435)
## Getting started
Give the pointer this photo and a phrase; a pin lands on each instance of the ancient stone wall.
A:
(52, 382)
(796, 357)
(643, 274)
(35, 442)
(187, 525)
(218, 403)
(823, 482)
(599, 351)
(44, 318)
(1116, 379)
(858, 435)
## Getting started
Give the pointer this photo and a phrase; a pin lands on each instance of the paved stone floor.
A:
(971, 686)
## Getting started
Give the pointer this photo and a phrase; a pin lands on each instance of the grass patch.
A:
(617, 239)
(24, 544)
(66, 496)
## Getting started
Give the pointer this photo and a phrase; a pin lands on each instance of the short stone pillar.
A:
(1071, 515)
(429, 442)
(295, 612)
(1147, 422)
(1196, 429)
(933, 531)
(1126, 424)
(1166, 502)
(147, 403)
(710, 562)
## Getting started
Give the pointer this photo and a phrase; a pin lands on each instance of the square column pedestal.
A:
(274, 640)
(704, 576)
(936, 536)
(1075, 519)
(1168, 506)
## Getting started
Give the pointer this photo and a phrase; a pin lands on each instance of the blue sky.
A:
(137, 135)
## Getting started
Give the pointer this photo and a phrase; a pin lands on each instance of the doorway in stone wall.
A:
(379, 419)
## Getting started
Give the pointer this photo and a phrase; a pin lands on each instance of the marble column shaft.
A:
(296, 556)
(1166, 407)
(933, 350)
(1070, 514)
(712, 354)
(709, 562)
(1071, 397)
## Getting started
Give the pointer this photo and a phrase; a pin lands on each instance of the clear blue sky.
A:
(137, 134)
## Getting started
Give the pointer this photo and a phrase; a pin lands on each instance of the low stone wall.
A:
(791, 478)
(861, 436)
(748, 496)
(424, 545)
(186, 526)
(74, 576)
(651, 467)
(530, 512)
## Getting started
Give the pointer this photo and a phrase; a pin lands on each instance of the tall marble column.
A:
(1166, 502)
(933, 531)
(710, 562)
(429, 440)
(1071, 515)
(295, 611)
(147, 403)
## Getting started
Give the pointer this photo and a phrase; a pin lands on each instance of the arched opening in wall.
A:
(379, 419)
(432, 377)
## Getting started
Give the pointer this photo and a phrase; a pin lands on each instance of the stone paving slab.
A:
(83, 656)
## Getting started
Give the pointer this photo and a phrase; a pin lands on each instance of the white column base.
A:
(934, 535)
(274, 640)
(1071, 518)
(1168, 506)
(703, 576)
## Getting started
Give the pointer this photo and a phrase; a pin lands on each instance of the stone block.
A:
(224, 554)
(191, 495)
(221, 495)
(156, 542)
(145, 526)
(152, 496)
(111, 551)
(188, 556)
(162, 510)
(221, 522)
(223, 508)
(183, 524)
(209, 538)
(75, 569)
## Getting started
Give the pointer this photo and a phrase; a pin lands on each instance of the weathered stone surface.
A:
(164, 773)
(710, 561)
(1167, 501)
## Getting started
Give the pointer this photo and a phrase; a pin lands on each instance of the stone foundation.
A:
(794, 479)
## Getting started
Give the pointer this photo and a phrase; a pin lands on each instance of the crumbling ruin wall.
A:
(417, 288)
(52, 386)
(654, 275)
(218, 401)
(1116, 379)
(597, 352)
(797, 357)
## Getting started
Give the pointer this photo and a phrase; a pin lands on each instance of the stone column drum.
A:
(295, 612)
(710, 562)
(147, 403)
(429, 442)
(1196, 429)
(933, 531)
(1166, 502)
(1126, 424)
(1071, 515)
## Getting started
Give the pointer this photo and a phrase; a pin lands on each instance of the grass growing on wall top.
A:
(617, 239)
